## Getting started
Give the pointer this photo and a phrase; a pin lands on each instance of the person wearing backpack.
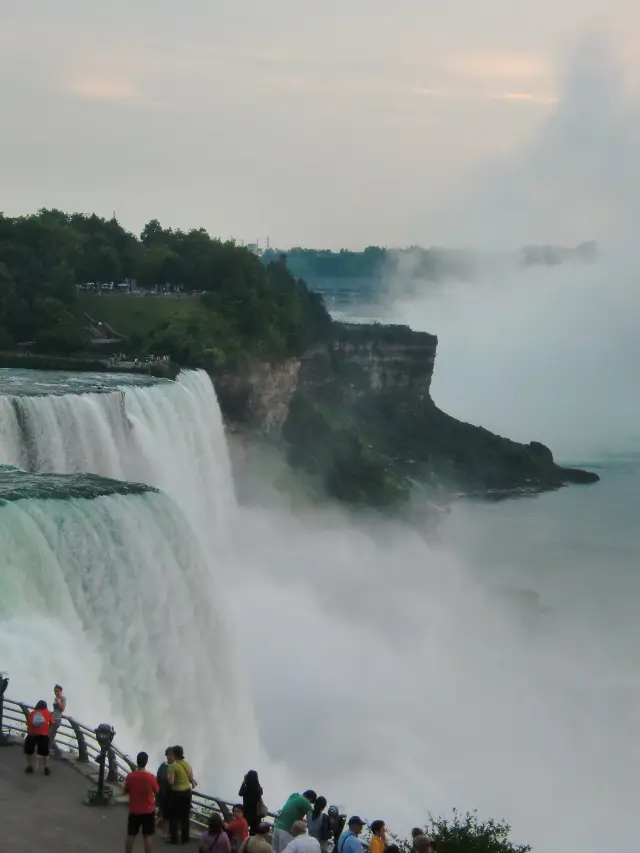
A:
(318, 823)
(336, 824)
(37, 740)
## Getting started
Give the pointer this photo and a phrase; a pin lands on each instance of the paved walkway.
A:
(41, 813)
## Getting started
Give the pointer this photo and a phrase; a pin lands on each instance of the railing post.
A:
(83, 752)
(25, 710)
(4, 683)
(112, 775)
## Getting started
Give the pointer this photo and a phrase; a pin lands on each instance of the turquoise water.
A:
(16, 484)
(38, 382)
(578, 548)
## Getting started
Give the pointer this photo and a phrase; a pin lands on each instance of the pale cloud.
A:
(528, 98)
(503, 67)
(471, 95)
(320, 122)
(102, 89)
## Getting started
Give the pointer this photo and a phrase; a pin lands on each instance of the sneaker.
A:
(29, 770)
(47, 771)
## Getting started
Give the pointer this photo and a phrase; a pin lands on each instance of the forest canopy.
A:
(244, 305)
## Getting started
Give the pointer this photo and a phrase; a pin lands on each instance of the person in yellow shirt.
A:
(181, 783)
(378, 837)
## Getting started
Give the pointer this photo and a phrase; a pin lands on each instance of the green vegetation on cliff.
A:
(360, 420)
(243, 307)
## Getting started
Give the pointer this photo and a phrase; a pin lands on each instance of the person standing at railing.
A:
(37, 739)
(318, 824)
(252, 803)
(59, 707)
(162, 799)
(181, 783)
(296, 808)
(141, 786)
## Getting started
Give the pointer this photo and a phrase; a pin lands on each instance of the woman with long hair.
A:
(318, 824)
(215, 839)
(252, 804)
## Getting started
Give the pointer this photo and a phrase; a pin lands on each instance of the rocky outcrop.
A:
(356, 412)
(361, 360)
(258, 395)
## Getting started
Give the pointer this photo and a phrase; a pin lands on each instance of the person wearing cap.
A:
(349, 841)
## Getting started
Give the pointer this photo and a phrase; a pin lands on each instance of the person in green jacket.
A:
(296, 808)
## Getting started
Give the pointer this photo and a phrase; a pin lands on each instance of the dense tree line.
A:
(433, 264)
(246, 306)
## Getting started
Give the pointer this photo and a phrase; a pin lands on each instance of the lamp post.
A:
(4, 683)
(101, 796)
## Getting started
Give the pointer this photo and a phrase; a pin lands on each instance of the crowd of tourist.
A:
(163, 801)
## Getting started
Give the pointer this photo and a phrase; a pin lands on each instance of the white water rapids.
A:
(121, 598)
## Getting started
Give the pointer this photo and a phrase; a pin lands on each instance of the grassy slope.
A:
(136, 315)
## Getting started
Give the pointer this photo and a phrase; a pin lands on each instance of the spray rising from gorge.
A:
(137, 596)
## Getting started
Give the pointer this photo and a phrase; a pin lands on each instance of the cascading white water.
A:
(121, 597)
(169, 435)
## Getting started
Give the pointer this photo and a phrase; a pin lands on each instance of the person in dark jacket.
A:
(251, 793)
(162, 797)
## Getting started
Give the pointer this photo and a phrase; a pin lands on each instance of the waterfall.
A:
(121, 598)
(169, 435)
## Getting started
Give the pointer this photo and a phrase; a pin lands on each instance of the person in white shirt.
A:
(302, 841)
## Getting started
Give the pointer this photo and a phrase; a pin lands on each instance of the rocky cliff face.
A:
(356, 412)
(259, 395)
(345, 368)
(357, 363)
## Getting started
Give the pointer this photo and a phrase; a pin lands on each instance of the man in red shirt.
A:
(37, 739)
(142, 788)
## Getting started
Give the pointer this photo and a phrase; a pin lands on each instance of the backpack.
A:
(38, 719)
(325, 828)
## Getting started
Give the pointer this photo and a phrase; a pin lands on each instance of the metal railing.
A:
(80, 744)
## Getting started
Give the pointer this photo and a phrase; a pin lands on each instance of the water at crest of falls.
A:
(121, 598)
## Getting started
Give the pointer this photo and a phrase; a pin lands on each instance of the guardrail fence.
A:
(81, 744)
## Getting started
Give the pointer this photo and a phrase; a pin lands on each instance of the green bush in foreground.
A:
(466, 833)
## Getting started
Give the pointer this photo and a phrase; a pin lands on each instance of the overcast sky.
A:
(316, 122)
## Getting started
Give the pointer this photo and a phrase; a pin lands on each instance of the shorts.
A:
(39, 743)
(144, 822)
